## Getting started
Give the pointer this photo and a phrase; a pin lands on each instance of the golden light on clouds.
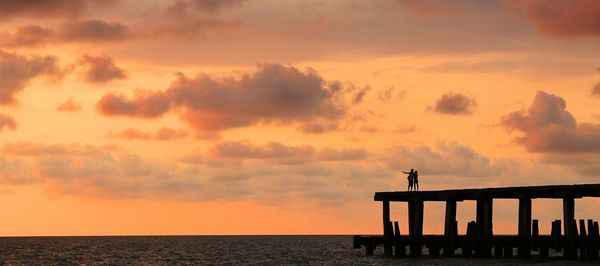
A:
(194, 115)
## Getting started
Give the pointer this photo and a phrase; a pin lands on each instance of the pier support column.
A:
(387, 235)
(449, 225)
(568, 220)
(415, 225)
(524, 249)
(484, 227)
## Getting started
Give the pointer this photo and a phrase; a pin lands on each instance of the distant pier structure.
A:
(569, 238)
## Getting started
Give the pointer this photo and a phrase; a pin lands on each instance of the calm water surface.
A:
(212, 250)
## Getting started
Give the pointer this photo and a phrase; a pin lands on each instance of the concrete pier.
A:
(480, 237)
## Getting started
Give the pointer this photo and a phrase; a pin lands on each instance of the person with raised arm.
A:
(410, 178)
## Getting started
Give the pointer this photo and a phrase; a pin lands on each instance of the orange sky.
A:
(123, 117)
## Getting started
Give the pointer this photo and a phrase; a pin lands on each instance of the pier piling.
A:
(484, 227)
(592, 241)
(415, 223)
(449, 228)
(535, 235)
(399, 247)
(582, 243)
(387, 246)
(524, 250)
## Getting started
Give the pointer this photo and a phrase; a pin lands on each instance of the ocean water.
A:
(213, 250)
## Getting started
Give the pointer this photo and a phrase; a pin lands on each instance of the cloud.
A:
(429, 8)
(406, 129)
(280, 153)
(118, 176)
(190, 28)
(450, 159)
(181, 7)
(94, 30)
(547, 126)
(16, 71)
(7, 121)
(236, 170)
(532, 66)
(359, 96)
(28, 36)
(192, 18)
(274, 94)
(169, 134)
(329, 154)
(162, 134)
(69, 106)
(101, 69)
(28, 149)
(105, 172)
(485, 66)
(596, 90)
(318, 127)
(48, 8)
(16, 172)
(144, 104)
(40, 8)
(455, 104)
(40, 149)
(563, 18)
(81, 31)
(272, 150)
(586, 165)
(387, 94)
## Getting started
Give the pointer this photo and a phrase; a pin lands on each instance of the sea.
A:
(215, 250)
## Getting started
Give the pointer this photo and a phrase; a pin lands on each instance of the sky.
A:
(193, 117)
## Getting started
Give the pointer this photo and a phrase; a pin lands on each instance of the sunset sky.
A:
(127, 117)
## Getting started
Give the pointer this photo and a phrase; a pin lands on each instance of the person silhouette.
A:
(410, 178)
(416, 180)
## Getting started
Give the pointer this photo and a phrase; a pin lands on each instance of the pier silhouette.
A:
(479, 239)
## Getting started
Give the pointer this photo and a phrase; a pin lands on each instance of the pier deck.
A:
(533, 192)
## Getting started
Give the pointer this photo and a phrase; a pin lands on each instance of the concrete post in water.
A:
(370, 248)
(544, 252)
(568, 217)
(582, 243)
(356, 241)
(415, 223)
(524, 249)
(498, 251)
(387, 247)
(535, 235)
(434, 250)
(508, 252)
(449, 227)
(592, 244)
(557, 235)
(400, 249)
(471, 238)
(571, 242)
(484, 227)
(390, 238)
(537, 242)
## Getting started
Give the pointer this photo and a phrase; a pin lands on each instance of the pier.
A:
(574, 239)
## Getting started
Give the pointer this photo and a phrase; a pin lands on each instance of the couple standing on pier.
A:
(413, 180)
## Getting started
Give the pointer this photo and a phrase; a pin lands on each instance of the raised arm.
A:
(406, 172)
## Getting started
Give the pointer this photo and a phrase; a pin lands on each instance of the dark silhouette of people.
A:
(416, 180)
(410, 178)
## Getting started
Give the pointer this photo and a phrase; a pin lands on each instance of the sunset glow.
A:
(186, 117)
